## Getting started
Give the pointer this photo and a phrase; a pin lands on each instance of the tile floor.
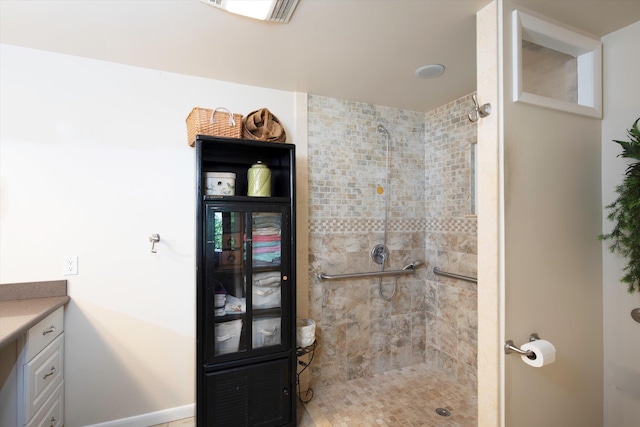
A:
(406, 397)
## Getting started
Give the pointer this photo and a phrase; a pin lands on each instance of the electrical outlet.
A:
(70, 265)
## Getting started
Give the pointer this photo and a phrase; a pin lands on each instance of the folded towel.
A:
(267, 231)
(264, 236)
(266, 244)
(273, 263)
(269, 257)
(267, 250)
(268, 278)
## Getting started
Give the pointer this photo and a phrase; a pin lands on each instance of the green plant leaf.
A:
(625, 213)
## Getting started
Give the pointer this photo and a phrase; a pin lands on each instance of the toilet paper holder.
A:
(510, 348)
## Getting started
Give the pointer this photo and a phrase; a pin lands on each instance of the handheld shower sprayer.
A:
(413, 265)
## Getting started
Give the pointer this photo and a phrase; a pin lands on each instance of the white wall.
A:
(621, 334)
(94, 159)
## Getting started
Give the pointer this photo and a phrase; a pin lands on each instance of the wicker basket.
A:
(202, 121)
(262, 125)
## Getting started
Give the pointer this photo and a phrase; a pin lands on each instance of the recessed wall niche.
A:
(555, 67)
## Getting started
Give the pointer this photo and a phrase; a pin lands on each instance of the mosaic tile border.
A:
(345, 225)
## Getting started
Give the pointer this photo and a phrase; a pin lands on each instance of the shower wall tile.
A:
(358, 337)
(359, 333)
(448, 153)
(380, 362)
(348, 159)
(418, 297)
(447, 338)
(467, 344)
(315, 303)
(446, 364)
(451, 241)
(447, 304)
(400, 357)
(468, 376)
(380, 339)
(400, 345)
(358, 367)
(431, 325)
(468, 309)
(418, 337)
(401, 301)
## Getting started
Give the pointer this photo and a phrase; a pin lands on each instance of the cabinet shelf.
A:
(257, 312)
(250, 199)
(230, 270)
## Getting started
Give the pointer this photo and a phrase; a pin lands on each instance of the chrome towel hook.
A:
(480, 111)
(154, 238)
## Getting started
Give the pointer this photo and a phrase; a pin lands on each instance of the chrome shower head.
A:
(413, 265)
(383, 129)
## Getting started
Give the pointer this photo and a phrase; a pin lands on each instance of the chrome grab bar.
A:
(408, 269)
(437, 271)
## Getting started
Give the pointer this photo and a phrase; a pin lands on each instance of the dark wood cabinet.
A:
(245, 312)
(258, 394)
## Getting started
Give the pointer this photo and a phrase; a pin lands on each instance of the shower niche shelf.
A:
(245, 290)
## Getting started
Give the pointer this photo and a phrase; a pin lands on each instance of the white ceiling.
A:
(359, 50)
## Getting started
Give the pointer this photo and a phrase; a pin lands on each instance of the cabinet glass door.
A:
(245, 277)
(225, 278)
(266, 278)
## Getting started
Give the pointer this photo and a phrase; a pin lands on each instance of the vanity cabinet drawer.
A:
(42, 375)
(44, 332)
(52, 412)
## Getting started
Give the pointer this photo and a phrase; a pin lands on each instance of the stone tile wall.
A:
(451, 242)
(359, 333)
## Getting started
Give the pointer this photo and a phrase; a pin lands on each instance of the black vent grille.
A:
(268, 399)
(231, 397)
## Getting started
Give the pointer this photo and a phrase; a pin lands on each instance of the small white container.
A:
(305, 332)
(266, 296)
(220, 183)
(227, 336)
(266, 331)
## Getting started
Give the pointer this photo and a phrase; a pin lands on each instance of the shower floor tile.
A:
(402, 397)
(406, 397)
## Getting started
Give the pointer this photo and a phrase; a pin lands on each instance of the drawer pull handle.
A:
(48, 331)
(53, 371)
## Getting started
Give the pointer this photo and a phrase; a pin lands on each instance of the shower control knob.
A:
(379, 254)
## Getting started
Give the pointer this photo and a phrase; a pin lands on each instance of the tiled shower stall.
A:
(431, 319)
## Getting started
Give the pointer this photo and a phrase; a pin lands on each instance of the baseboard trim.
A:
(152, 418)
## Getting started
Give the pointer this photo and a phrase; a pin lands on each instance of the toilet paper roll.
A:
(543, 350)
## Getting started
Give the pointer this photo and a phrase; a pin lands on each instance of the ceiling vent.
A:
(265, 10)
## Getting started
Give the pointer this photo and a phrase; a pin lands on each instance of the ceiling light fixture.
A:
(264, 10)
(429, 71)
